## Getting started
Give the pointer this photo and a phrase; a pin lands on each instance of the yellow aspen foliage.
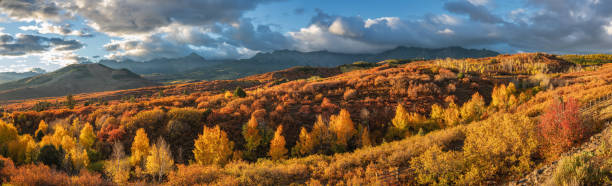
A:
(118, 167)
(401, 118)
(43, 128)
(68, 143)
(510, 89)
(437, 167)
(473, 109)
(159, 162)
(23, 150)
(277, 145)
(512, 101)
(87, 137)
(404, 120)
(320, 135)
(501, 145)
(60, 138)
(8, 133)
(140, 148)
(79, 159)
(437, 114)
(75, 127)
(228, 95)
(343, 127)
(252, 135)
(365, 140)
(503, 96)
(498, 96)
(452, 115)
(305, 143)
(213, 147)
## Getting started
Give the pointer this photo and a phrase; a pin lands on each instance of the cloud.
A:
(241, 39)
(479, 2)
(119, 17)
(147, 29)
(32, 10)
(446, 31)
(564, 26)
(476, 12)
(316, 38)
(358, 35)
(48, 28)
(22, 44)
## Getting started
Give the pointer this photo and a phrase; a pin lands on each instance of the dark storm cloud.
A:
(137, 16)
(28, 44)
(476, 13)
(181, 40)
(31, 9)
(64, 30)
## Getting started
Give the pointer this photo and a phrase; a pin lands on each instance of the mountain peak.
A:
(194, 56)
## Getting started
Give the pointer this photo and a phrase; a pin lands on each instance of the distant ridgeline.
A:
(12, 76)
(588, 59)
(195, 67)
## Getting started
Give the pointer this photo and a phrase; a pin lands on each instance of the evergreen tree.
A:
(70, 102)
(239, 92)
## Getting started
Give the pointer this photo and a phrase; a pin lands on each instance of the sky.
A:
(50, 34)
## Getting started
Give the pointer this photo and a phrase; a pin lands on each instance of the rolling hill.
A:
(78, 78)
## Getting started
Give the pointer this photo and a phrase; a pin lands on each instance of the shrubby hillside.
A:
(446, 121)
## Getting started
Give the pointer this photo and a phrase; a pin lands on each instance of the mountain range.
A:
(195, 67)
(12, 76)
(108, 75)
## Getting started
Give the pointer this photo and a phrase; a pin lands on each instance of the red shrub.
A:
(561, 126)
(38, 175)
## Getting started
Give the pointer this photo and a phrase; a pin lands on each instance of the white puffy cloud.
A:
(48, 28)
(316, 37)
(357, 35)
(479, 2)
(551, 26)
(608, 28)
